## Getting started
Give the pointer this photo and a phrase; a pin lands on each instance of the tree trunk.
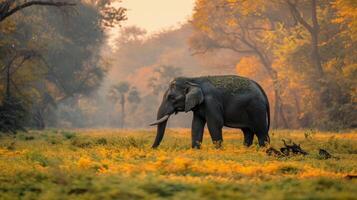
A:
(8, 81)
(122, 102)
(297, 107)
(315, 55)
(279, 110)
(8, 76)
(322, 86)
(278, 107)
(39, 120)
(315, 40)
(314, 29)
(282, 115)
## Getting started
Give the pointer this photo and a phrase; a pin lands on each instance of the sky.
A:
(156, 15)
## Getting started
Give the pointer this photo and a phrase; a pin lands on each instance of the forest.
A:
(76, 80)
(60, 74)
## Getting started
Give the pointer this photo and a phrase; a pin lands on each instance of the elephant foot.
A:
(217, 144)
(248, 141)
(196, 145)
(264, 142)
(247, 144)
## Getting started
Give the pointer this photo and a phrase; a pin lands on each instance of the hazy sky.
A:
(155, 15)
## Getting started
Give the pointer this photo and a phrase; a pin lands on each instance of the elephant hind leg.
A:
(248, 137)
(259, 123)
(263, 140)
(262, 134)
(260, 129)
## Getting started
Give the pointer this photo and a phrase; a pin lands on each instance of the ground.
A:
(114, 164)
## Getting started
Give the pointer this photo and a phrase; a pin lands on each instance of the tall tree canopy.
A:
(303, 47)
(10, 7)
(67, 46)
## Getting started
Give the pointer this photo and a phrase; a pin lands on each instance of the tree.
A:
(117, 94)
(164, 74)
(322, 100)
(68, 64)
(13, 114)
(74, 66)
(111, 15)
(240, 26)
(130, 34)
(10, 7)
(121, 93)
(134, 97)
(314, 31)
(346, 14)
(13, 109)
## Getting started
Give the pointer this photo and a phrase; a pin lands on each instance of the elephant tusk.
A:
(160, 120)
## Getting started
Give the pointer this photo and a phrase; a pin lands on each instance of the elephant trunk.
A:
(162, 117)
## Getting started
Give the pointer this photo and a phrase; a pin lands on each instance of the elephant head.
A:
(182, 95)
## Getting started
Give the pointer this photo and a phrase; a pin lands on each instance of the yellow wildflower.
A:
(84, 162)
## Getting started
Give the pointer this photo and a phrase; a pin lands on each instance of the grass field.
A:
(114, 164)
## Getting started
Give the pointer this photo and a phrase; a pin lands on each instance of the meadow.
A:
(119, 164)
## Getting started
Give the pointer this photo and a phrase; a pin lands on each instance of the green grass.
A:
(114, 164)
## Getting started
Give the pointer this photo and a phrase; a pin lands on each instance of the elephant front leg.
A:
(198, 125)
(214, 120)
(215, 129)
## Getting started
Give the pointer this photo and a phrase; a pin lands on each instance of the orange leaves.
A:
(347, 15)
(249, 67)
(232, 23)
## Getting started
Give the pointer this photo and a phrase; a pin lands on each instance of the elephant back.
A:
(230, 83)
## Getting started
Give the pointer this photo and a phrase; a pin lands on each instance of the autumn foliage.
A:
(302, 52)
(59, 59)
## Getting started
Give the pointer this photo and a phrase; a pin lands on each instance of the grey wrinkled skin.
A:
(217, 101)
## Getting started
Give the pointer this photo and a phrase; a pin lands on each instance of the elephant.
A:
(227, 100)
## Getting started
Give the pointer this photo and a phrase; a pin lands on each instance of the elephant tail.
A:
(266, 103)
(268, 109)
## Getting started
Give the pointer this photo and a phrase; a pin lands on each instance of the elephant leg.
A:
(248, 137)
(216, 134)
(198, 125)
(257, 114)
(214, 120)
(215, 130)
(262, 132)
(263, 137)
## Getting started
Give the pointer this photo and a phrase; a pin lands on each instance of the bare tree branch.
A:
(297, 16)
(6, 11)
(204, 51)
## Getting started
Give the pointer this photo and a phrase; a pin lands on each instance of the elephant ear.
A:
(194, 96)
